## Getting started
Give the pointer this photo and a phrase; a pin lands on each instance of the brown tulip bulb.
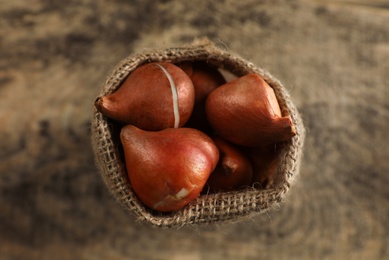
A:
(167, 169)
(264, 161)
(245, 111)
(155, 96)
(234, 169)
(205, 79)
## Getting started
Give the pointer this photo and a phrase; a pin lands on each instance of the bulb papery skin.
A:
(153, 97)
(245, 112)
(167, 169)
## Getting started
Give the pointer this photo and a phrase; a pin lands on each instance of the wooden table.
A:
(331, 55)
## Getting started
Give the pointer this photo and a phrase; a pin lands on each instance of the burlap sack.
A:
(213, 208)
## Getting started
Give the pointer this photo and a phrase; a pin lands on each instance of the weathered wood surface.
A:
(54, 57)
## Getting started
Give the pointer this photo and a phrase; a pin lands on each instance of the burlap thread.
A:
(213, 208)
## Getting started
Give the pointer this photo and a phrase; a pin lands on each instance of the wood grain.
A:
(331, 55)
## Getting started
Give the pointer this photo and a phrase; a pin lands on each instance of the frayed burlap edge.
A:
(213, 208)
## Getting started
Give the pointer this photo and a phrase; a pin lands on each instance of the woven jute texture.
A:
(212, 208)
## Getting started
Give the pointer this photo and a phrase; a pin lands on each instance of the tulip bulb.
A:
(155, 96)
(167, 169)
(245, 111)
(234, 170)
(264, 161)
(205, 79)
